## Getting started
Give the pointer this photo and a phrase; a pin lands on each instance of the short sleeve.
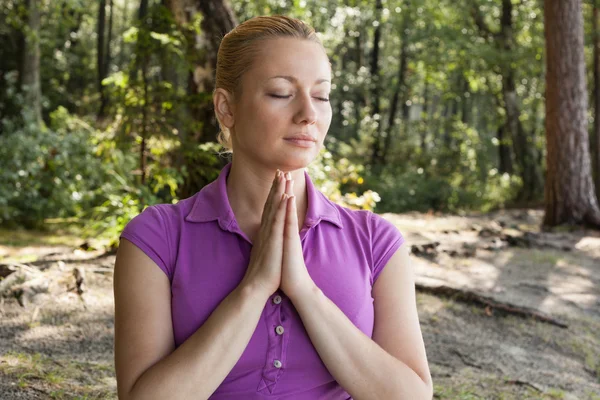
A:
(385, 240)
(147, 231)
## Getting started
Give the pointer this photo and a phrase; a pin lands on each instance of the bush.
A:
(340, 181)
(46, 172)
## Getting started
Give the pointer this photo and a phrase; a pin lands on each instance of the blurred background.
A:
(105, 106)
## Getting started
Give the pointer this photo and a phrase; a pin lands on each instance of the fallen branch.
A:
(522, 383)
(469, 296)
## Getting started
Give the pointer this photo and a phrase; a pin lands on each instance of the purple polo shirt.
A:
(198, 244)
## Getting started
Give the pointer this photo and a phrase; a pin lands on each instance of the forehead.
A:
(299, 58)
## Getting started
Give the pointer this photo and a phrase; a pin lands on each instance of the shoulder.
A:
(156, 231)
(378, 236)
(370, 223)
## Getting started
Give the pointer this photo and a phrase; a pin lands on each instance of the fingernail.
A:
(288, 176)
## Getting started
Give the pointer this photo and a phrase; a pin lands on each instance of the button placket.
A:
(277, 338)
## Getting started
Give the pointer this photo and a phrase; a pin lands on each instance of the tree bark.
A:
(218, 19)
(375, 88)
(30, 79)
(596, 142)
(107, 55)
(100, 55)
(122, 56)
(569, 192)
(505, 162)
(400, 85)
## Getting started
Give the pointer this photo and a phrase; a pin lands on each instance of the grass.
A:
(60, 379)
(55, 235)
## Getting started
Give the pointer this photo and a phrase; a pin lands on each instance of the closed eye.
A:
(324, 99)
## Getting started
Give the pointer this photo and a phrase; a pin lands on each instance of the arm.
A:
(393, 365)
(147, 366)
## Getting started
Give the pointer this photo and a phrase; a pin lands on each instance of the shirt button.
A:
(279, 330)
(277, 299)
(277, 364)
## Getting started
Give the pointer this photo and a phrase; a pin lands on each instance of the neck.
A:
(248, 186)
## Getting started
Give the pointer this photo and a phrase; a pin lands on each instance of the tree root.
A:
(469, 296)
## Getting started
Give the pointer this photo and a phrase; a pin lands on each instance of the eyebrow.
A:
(293, 80)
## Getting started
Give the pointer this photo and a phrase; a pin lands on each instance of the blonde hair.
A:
(239, 47)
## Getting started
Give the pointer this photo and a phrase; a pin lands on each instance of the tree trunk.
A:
(525, 153)
(569, 191)
(400, 86)
(143, 65)
(122, 51)
(523, 146)
(596, 151)
(504, 156)
(375, 89)
(100, 55)
(30, 80)
(465, 101)
(362, 95)
(107, 55)
(218, 19)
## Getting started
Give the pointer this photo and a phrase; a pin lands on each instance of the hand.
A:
(264, 268)
(295, 279)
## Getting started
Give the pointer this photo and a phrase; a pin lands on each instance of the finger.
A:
(291, 218)
(273, 195)
(279, 190)
(289, 184)
(278, 224)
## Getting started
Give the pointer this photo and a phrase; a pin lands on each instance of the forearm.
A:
(357, 363)
(197, 367)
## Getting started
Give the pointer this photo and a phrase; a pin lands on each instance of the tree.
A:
(101, 62)
(596, 142)
(522, 145)
(376, 157)
(569, 191)
(217, 20)
(30, 68)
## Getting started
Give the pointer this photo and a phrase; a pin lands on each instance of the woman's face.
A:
(283, 95)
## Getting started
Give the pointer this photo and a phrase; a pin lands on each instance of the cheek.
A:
(325, 120)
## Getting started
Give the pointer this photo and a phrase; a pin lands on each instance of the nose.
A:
(307, 114)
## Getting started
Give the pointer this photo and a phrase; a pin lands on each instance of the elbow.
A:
(427, 388)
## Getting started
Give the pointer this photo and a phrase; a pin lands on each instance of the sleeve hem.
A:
(147, 250)
(386, 257)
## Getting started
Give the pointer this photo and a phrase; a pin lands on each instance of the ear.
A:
(223, 103)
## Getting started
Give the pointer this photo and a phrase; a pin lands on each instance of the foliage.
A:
(339, 180)
(442, 146)
(46, 172)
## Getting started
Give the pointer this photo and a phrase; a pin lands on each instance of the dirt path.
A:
(60, 344)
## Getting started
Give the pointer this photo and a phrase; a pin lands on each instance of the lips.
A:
(302, 140)
(302, 136)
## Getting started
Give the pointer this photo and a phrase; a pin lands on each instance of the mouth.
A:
(300, 142)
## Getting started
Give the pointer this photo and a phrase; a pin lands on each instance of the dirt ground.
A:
(59, 344)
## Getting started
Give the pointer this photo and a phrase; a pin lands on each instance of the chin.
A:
(295, 162)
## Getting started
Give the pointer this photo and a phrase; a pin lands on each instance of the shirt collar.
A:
(211, 204)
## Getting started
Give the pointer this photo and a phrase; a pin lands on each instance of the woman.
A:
(258, 286)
